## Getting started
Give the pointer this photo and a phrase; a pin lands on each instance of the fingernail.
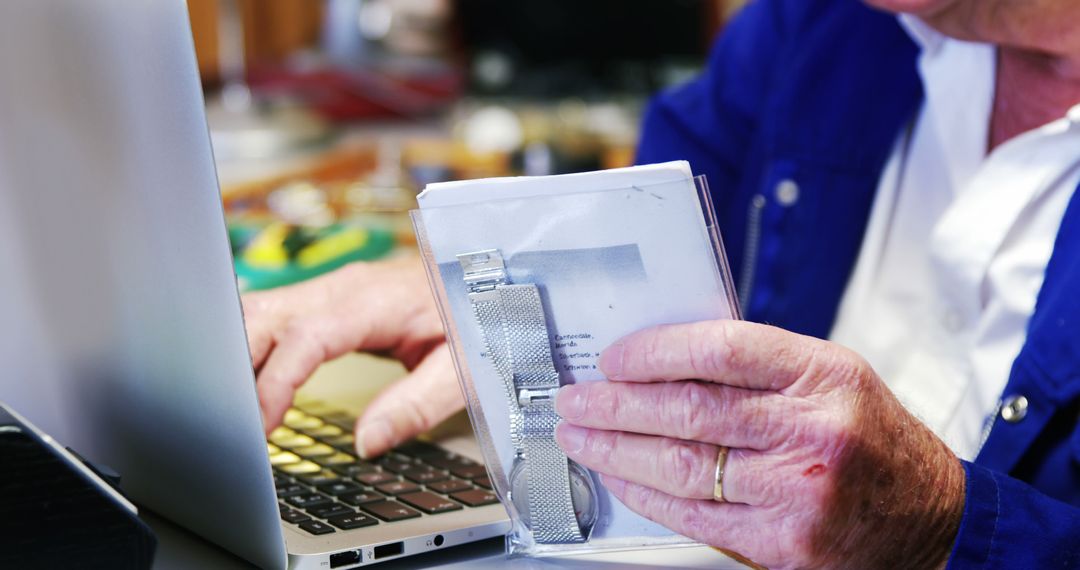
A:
(374, 437)
(611, 361)
(570, 401)
(570, 437)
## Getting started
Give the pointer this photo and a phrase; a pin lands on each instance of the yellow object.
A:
(291, 441)
(284, 458)
(267, 250)
(337, 459)
(316, 450)
(280, 432)
(302, 468)
(299, 420)
(331, 247)
(326, 430)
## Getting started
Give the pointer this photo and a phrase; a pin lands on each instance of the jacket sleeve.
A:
(1008, 524)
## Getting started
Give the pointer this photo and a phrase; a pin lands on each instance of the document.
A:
(612, 252)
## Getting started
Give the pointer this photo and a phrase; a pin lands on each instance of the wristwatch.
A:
(555, 497)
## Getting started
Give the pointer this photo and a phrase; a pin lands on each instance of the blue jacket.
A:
(792, 122)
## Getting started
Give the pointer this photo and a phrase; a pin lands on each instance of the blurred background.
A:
(329, 116)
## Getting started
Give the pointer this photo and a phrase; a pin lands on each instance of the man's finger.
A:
(410, 406)
(297, 353)
(679, 468)
(726, 525)
(737, 353)
(695, 411)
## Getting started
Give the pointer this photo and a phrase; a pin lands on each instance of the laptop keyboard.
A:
(322, 487)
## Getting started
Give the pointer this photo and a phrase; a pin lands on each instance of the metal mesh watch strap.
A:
(486, 308)
(514, 329)
(551, 506)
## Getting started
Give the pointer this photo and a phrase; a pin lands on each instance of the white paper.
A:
(471, 191)
(611, 251)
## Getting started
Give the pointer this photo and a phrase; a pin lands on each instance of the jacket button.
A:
(1014, 408)
(787, 192)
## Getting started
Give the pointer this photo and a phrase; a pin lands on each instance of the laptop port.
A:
(344, 558)
(392, 549)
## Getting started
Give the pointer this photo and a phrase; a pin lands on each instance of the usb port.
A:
(344, 558)
(392, 549)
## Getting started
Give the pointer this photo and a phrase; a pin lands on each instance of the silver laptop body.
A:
(121, 333)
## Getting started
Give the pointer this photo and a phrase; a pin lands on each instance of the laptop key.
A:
(284, 458)
(286, 438)
(281, 479)
(355, 520)
(302, 468)
(397, 465)
(361, 498)
(344, 442)
(319, 477)
(308, 501)
(338, 458)
(398, 487)
(420, 449)
(376, 478)
(441, 461)
(317, 450)
(469, 471)
(343, 420)
(449, 486)
(484, 482)
(353, 469)
(331, 510)
(325, 430)
(449, 461)
(293, 516)
(390, 511)
(424, 475)
(317, 527)
(291, 490)
(430, 503)
(475, 497)
(296, 419)
(339, 487)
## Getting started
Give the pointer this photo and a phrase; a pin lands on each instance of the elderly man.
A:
(900, 184)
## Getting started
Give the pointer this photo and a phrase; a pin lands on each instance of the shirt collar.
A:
(926, 37)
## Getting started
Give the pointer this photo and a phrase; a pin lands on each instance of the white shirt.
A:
(956, 245)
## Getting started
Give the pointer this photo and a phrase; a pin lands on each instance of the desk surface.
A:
(351, 382)
(179, 549)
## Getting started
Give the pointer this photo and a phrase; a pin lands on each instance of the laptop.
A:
(122, 334)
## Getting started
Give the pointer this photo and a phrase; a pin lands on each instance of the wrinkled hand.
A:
(383, 307)
(826, 468)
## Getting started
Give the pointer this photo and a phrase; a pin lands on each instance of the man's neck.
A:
(1032, 89)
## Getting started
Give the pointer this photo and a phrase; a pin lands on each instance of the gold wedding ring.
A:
(718, 496)
(718, 487)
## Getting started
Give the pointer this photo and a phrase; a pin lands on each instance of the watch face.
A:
(582, 494)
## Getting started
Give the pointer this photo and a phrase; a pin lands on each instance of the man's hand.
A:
(381, 307)
(826, 468)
